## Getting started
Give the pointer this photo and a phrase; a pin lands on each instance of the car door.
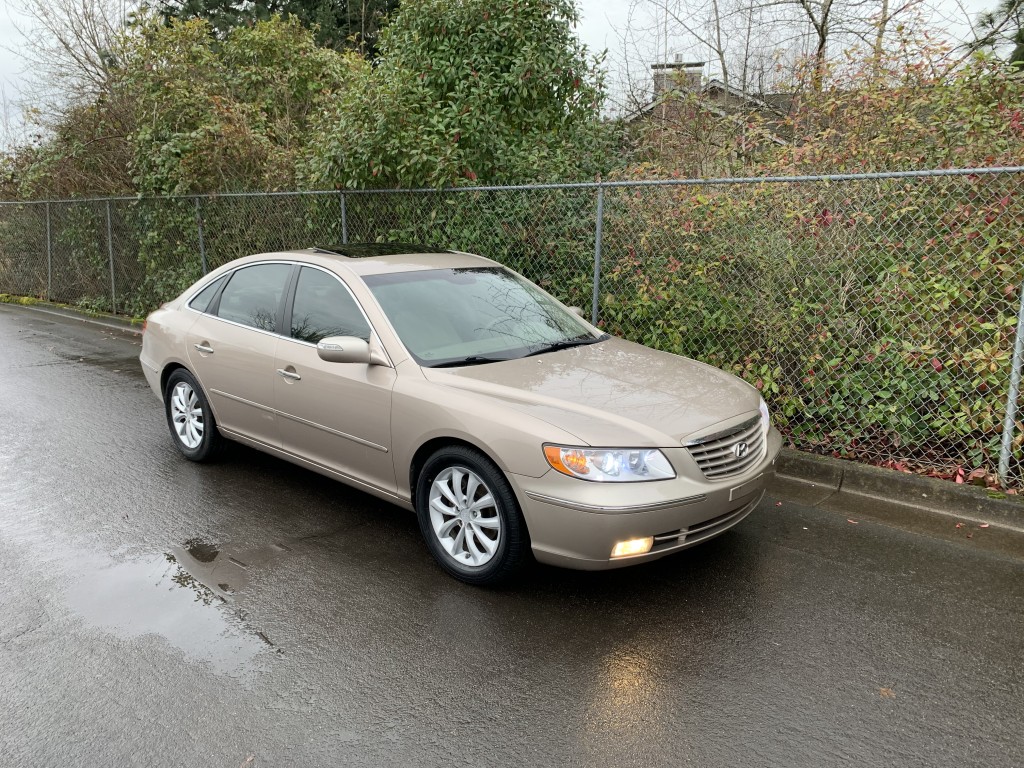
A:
(335, 414)
(232, 346)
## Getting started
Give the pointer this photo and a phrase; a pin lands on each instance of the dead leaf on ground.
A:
(854, 522)
(248, 761)
(887, 693)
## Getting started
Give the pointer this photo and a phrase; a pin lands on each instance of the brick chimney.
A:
(678, 75)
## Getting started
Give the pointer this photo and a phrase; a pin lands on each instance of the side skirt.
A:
(381, 493)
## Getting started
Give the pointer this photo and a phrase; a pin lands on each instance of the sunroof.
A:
(361, 250)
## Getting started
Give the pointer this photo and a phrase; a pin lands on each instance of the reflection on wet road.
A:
(156, 612)
(159, 597)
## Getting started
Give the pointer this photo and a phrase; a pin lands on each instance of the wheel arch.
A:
(165, 374)
(434, 444)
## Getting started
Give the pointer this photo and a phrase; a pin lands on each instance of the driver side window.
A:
(323, 307)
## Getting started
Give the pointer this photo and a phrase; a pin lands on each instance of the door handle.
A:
(204, 348)
(289, 374)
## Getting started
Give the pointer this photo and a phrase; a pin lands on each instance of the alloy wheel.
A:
(187, 415)
(464, 516)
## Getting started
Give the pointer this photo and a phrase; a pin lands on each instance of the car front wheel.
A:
(469, 517)
(190, 419)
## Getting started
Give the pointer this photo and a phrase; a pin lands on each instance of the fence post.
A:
(110, 252)
(1009, 423)
(49, 256)
(344, 220)
(199, 226)
(597, 253)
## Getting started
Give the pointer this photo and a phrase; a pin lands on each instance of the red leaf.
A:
(936, 364)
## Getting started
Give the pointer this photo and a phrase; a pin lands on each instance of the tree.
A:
(754, 46)
(1002, 27)
(485, 90)
(70, 49)
(78, 120)
(231, 114)
(339, 24)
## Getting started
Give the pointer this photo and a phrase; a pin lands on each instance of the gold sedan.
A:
(454, 387)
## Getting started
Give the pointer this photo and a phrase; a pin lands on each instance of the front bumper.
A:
(575, 524)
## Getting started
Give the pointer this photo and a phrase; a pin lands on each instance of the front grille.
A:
(717, 455)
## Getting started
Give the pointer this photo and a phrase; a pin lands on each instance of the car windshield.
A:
(467, 316)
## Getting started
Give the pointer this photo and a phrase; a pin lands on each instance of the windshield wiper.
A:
(472, 360)
(577, 342)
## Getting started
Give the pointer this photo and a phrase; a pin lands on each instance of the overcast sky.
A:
(603, 21)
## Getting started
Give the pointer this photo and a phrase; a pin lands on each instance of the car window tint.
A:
(323, 307)
(253, 295)
(201, 302)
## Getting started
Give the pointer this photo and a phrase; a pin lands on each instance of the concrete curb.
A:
(911, 502)
(107, 320)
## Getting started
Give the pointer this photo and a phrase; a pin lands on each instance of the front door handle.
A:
(204, 348)
(289, 374)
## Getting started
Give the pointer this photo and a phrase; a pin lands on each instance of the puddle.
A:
(157, 596)
(221, 570)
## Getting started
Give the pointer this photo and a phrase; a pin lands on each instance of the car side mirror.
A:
(576, 311)
(343, 349)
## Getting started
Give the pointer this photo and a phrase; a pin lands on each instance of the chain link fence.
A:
(879, 314)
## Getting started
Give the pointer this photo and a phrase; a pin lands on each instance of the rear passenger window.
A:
(201, 302)
(253, 295)
(323, 307)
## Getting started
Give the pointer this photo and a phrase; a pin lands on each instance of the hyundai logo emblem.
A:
(740, 449)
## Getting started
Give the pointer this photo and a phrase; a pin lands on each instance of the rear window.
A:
(201, 301)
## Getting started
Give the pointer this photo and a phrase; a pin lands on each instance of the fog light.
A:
(633, 547)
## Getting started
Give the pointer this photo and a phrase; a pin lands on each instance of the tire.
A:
(190, 419)
(477, 540)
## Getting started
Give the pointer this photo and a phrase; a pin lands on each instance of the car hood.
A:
(611, 393)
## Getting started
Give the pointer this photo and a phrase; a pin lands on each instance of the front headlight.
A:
(766, 421)
(610, 465)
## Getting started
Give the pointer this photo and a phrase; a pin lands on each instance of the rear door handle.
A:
(204, 348)
(289, 374)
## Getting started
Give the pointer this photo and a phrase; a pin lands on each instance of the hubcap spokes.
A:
(187, 415)
(464, 516)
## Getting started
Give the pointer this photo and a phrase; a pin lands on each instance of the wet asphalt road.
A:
(155, 612)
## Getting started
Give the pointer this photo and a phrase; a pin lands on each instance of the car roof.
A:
(381, 264)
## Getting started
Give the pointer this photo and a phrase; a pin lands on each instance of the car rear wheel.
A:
(469, 517)
(190, 419)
